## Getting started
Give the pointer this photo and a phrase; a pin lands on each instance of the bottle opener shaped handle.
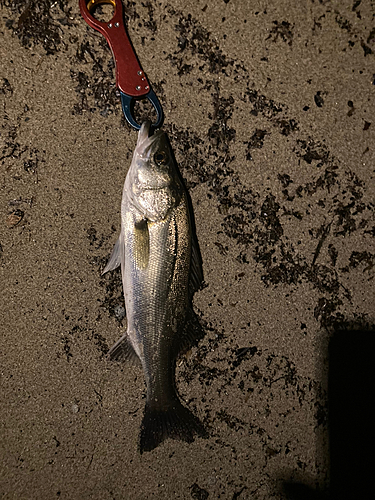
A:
(130, 78)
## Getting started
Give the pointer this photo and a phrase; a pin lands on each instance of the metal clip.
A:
(130, 78)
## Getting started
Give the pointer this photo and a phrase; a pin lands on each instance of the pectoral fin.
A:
(115, 258)
(141, 244)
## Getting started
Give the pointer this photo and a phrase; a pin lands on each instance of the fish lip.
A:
(145, 141)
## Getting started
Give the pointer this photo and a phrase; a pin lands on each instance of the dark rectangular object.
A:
(352, 415)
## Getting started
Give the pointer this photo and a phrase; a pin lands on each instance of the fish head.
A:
(153, 184)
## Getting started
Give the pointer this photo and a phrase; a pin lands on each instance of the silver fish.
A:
(160, 272)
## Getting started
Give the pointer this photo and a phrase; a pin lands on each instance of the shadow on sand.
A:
(351, 423)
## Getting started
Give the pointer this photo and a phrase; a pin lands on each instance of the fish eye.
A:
(161, 158)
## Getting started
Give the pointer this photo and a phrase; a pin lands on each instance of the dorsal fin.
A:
(196, 271)
(191, 333)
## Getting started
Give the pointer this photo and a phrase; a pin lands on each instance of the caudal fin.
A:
(176, 422)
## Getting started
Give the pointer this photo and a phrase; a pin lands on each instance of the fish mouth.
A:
(147, 175)
(145, 141)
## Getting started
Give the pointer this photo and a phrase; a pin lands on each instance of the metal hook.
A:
(128, 102)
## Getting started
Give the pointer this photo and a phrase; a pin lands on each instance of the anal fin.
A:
(122, 350)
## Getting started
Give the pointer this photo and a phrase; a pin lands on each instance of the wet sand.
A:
(270, 113)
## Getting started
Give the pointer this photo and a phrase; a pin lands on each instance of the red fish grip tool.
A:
(130, 78)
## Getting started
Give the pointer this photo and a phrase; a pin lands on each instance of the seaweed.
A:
(39, 22)
(197, 40)
(282, 30)
(97, 91)
(256, 142)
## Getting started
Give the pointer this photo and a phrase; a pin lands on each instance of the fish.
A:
(161, 270)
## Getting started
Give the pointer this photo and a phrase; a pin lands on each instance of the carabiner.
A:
(130, 78)
(128, 102)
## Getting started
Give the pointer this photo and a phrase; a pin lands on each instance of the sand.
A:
(269, 107)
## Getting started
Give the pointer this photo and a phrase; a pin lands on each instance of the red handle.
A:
(130, 78)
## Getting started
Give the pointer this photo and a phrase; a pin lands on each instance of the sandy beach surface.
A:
(269, 108)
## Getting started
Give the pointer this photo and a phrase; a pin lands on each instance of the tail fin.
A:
(175, 422)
